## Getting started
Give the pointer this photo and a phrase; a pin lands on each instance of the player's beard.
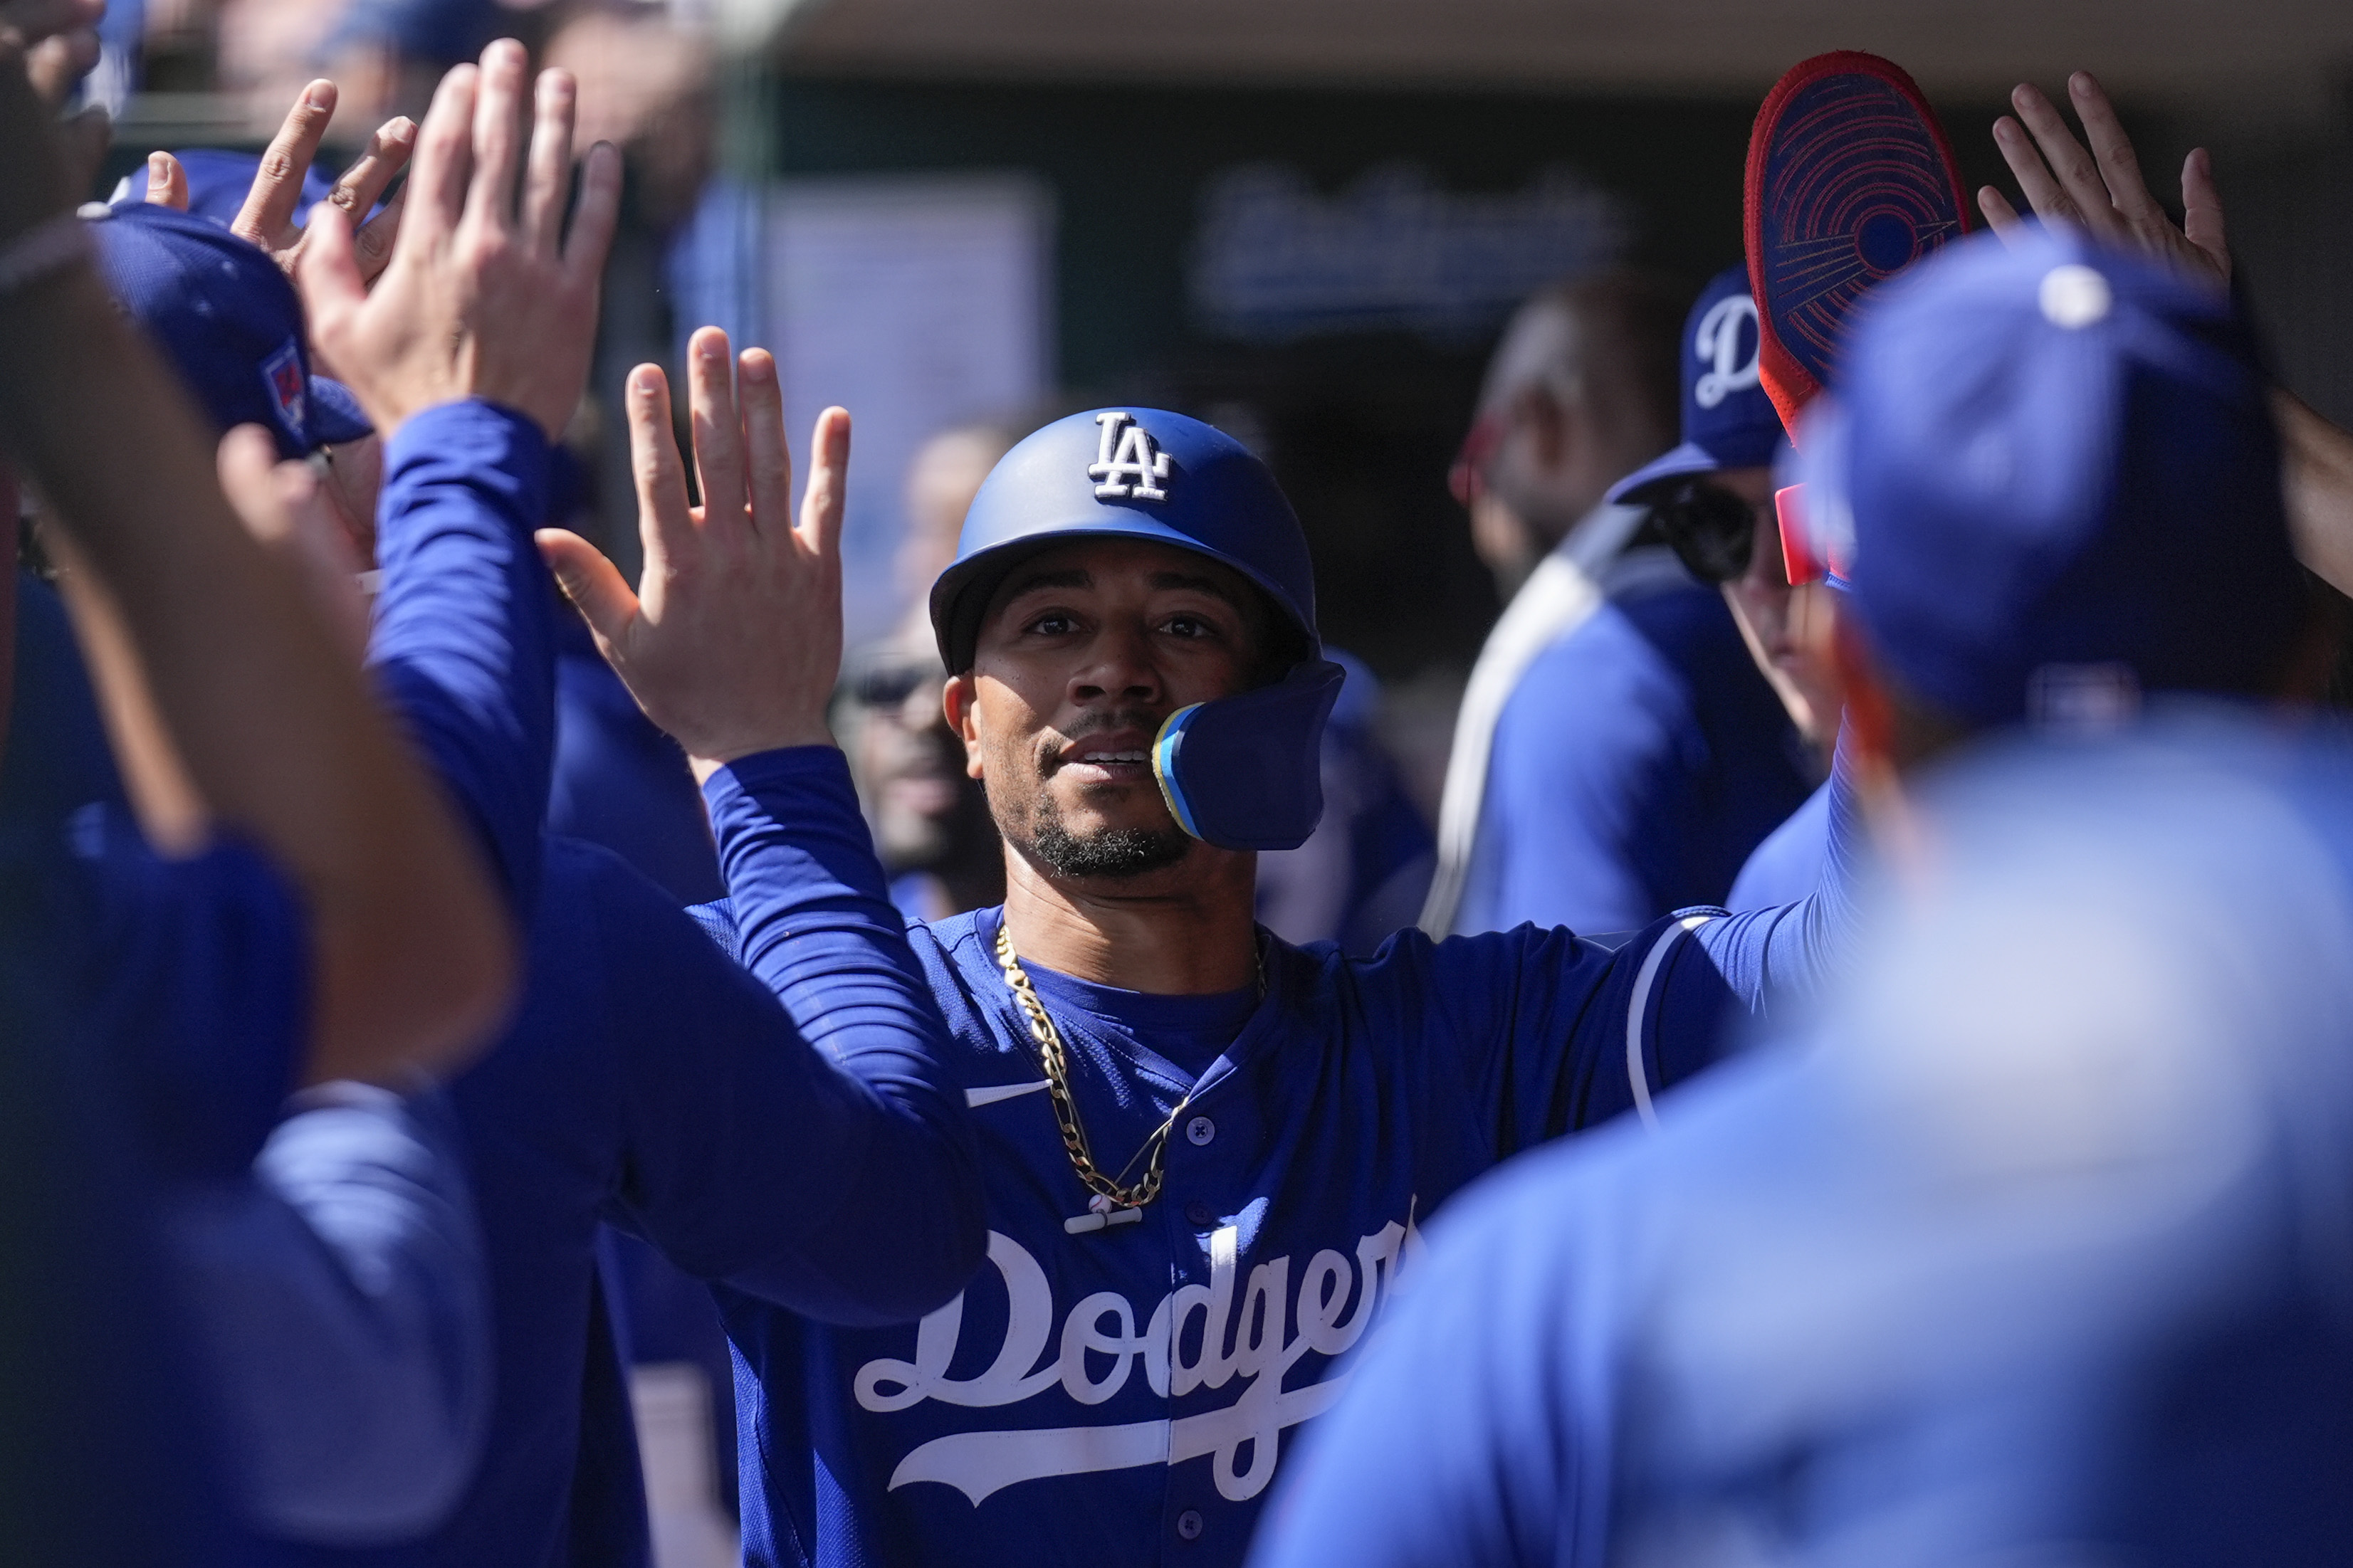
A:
(1109, 852)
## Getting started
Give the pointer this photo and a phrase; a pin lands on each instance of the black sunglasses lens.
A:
(1710, 530)
(889, 685)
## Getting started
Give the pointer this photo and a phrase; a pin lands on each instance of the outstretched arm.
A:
(2102, 191)
(733, 645)
(410, 959)
(469, 355)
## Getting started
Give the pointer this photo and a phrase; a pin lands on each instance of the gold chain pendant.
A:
(1111, 1204)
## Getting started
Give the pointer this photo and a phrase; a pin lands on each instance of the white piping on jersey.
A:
(1637, 1010)
(977, 1098)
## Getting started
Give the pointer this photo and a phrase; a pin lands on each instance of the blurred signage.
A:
(916, 302)
(1276, 260)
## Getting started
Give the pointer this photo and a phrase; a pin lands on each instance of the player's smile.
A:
(1103, 757)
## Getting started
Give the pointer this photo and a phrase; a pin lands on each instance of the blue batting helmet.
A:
(1138, 473)
(1241, 772)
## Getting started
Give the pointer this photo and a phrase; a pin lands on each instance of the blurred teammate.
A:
(338, 1286)
(1616, 756)
(1205, 1152)
(332, 924)
(1711, 499)
(645, 1074)
(2014, 1262)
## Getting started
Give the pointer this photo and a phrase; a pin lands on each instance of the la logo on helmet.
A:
(1127, 460)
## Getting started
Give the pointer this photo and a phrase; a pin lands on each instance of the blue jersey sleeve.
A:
(1788, 866)
(1791, 951)
(1555, 1033)
(340, 1295)
(196, 976)
(815, 1152)
(464, 640)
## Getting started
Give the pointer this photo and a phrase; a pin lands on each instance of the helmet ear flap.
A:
(1246, 772)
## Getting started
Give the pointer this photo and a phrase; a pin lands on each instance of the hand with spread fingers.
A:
(2102, 191)
(486, 294)
(732, 641)
(267, 216)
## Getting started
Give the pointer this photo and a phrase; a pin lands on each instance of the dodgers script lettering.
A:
(1326, 1314)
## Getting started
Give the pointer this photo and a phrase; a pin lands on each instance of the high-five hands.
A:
(2102, 191)
(732, 641)
(485, 295)
(267, 216)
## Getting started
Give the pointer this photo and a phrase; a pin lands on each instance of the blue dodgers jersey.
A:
(1110, 1396)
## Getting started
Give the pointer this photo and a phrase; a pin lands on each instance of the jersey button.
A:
(1188, 1524)
(1200, 1129)
(1200, 1216)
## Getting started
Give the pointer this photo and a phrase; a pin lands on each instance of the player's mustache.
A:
(1052, 745)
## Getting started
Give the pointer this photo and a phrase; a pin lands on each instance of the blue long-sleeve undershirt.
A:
(816, 927)
(464, 644)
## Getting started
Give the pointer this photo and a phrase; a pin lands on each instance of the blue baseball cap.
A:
(1728, 422)
(218, 182)
(1126, 473)
(230, 321)
(2058, 472)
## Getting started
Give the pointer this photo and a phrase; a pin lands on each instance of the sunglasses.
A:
(1712, 531)
(889, 685)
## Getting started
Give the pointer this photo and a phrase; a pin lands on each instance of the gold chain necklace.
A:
(1112, 1203)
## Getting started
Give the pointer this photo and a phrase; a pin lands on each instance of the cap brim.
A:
(1685, 460)
(335, 414)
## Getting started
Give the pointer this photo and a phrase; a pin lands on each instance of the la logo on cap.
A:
(1729, 323)
(1127, 460)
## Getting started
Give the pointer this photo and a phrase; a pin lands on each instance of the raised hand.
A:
(486, 295)
(732, 641)
(2102, 191)
(267, 216)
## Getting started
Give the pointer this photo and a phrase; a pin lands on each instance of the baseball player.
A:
(646, 1075)
(336, 925)
(1616, 755)
(1712, 500)
(645, 1079)
(2052, 480)
(1205, 1153)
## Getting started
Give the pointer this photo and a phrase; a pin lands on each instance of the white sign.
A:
(916, 302)
(1275, 258)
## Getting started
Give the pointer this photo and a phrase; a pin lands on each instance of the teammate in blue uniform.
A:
(333, 924)
(646, 1076)
(1635, 757)
(1205, 1153)
(1820, 1324)
(646, 1080)
(1712, 501)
